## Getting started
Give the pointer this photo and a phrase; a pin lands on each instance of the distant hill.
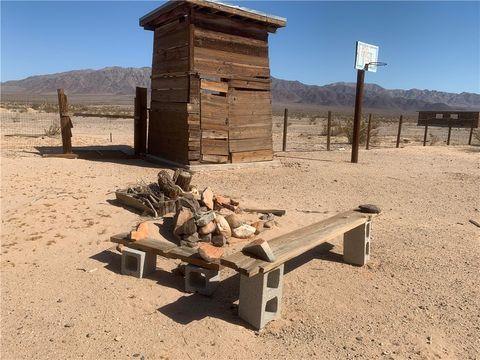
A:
(122, 81)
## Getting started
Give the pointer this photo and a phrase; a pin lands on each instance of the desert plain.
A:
(63, 297)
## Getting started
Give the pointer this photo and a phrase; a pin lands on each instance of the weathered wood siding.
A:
(210, 99)
(456, 119)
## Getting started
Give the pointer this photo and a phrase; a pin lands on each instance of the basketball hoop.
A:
(375, 63)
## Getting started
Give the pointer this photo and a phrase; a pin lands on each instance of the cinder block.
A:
(261, 297)
(201, 280)
(138, 263)
(356, 245)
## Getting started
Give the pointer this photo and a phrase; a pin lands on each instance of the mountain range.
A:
(122, 81)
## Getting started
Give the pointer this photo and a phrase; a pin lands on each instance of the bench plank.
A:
(290, 245)
(165, 249)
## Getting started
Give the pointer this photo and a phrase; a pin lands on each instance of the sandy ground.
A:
(62, 296)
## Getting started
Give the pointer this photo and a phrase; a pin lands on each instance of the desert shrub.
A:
(53, 130)
(476, 135)
(335, 128)
(434, 139)
(346, 128)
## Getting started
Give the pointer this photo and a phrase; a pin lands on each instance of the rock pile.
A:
(206, 218)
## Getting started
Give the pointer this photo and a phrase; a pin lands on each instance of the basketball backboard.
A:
(365, 54)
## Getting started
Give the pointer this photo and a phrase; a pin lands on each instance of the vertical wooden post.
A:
(65, 122)
(358, 115)
(399, 130)
(426, 132)
(329, 126)
(449, 131)
(285, 125)
(369, 127)
(140, 121)
(470, 136)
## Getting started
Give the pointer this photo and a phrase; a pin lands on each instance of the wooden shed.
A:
(210, 97)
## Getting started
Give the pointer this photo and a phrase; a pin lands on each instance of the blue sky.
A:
(427, 45)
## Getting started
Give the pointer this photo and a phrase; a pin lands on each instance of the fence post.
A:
(285, 125)
(140, 121)
(369, 127)
(329, 126)
(65, 122)
(470, 136)
(426, 131)
(449, 131)
(399, 130)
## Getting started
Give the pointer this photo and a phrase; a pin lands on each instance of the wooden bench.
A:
(261, 281)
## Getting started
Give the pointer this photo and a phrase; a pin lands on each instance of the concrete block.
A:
(356, 245)
(138, 263)
(261, 297)
(201, 280)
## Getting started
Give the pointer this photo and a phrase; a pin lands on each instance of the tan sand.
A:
(419, 297)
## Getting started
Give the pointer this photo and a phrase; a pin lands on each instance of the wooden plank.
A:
(175, 82)
(140, 123)
(175, 107)
(175, 53)
(245, 111)
(214, 85)
(214, 134)
(170, 95)
(230, 56)
(240, 12)
(290, 245)
(171, 40)
(219, 159)
(214, 147)
(249, 84)
(250, 144)
(249, 132)
(201, 35)
(172, 13)
(252, 156)
(230, 26)
(166, 249)
(156, 246)
(170, 66)
(214, 126)
(168, 135)
(225, 69)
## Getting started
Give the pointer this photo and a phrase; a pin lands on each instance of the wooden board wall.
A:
(456, 119)
(210, 99)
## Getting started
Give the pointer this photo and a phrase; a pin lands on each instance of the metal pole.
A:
(399, 130)
(426, 131)
(449, 131)
(329, 125)
(358, 115)
(367, 146)
(285, 125)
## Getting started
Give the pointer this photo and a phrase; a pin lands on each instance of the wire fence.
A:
(309, 132)
(30, 125)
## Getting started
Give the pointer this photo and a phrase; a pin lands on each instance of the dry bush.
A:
(434, 139)
(346, 128)
(476, 135)
(53, 130)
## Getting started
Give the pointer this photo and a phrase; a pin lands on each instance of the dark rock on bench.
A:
(369, 209)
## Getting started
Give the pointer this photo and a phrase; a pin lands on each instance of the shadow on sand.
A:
(194, 307)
